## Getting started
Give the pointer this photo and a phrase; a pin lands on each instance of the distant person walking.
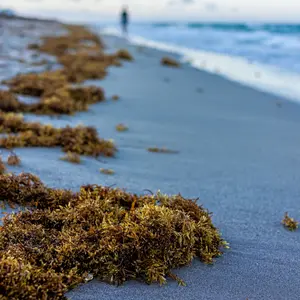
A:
(124, 20)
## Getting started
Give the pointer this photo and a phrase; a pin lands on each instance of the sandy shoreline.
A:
(238, 151)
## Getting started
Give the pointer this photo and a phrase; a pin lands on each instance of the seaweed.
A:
(117, 63)
(289, 223)
(79, 67)
(28, 190)
(121, 128)
(124, 55)
(107, 171)
(67, 100)
(161, 150)
(115, 97)
(80, 52)
(78, 38)
(65, 238)
(99, 232)
(33, 46)
(170, 62)
(13, 160)
(72, 158)
(9, 102)
(80, 139)
(55, 99)
(36, 84)
(2, 166)
(20, 280)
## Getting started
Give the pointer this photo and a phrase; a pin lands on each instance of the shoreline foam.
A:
(262, 77)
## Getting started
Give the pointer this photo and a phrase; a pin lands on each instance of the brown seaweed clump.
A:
(107, 171)
(289, 223)
(36, 84)
(121, 128)
(80, 52)
(33, 46)
(161, 150)
(2, 166)
(20, 280)
(77, 39)
(124, 55)
(170, 62)
(67, 100)
(115, 97)
(13, 160)
(81, 140)
(82, 66)
(72, 158)
(9, 102)
(56, 96)
(98, 232)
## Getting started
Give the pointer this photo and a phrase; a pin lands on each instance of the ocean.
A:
(265, 56)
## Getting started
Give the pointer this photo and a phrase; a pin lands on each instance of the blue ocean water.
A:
(272, 44)
(261, 55)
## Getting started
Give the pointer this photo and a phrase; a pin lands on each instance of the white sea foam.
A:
(263, 77)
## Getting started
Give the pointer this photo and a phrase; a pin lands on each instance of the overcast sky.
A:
(192, 10)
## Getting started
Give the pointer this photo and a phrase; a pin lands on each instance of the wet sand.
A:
(238, 151)
(15, 35)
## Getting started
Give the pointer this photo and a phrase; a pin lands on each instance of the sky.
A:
(161, 10)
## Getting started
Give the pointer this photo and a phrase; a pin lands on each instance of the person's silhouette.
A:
(124, 20)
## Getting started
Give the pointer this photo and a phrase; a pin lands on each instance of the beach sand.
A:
(239, 151)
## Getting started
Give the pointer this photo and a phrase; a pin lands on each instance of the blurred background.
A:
(184, 10)
(255, 42)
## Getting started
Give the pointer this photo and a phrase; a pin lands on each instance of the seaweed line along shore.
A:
(63, 238)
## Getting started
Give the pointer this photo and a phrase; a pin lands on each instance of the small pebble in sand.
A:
(121, 128)
(289, 223)
(107, 171)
